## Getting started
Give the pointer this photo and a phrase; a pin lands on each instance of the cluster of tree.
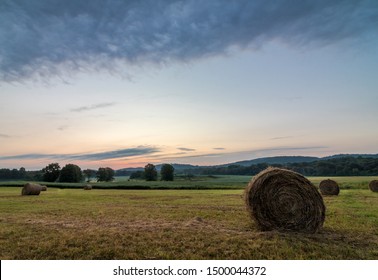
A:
(105, 174)
(13, 174)
(20, 174)
(71, 173)
(344, 166)
(150, 173)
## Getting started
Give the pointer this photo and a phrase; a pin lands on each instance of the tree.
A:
(166, 172)
(105, 174)
(51, 172)
(137, 175)
(150, 172)
(89, 173)
(22, 173)
(70, 173)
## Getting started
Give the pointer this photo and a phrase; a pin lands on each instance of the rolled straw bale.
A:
(329, 187)
(87, 187)
(43, 188)
(31, 189)
(280, 199)
(373, 186)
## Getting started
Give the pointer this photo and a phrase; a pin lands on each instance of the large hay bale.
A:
(43, 188)
(373, 186)
(31, 189)
(329, 187)
(87, 187)
(279, 199)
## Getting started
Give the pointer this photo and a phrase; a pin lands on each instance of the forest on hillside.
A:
(345, 166)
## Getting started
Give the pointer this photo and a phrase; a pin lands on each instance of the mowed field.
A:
(178, 224)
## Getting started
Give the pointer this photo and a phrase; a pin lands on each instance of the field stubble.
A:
(174, 224)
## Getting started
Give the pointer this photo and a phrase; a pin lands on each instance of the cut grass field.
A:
(199, 182)
(176, 224)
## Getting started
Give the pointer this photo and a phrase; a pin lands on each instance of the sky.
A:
(125, 83)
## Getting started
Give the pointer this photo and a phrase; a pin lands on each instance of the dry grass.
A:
(174, 224)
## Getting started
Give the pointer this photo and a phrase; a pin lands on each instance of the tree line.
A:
(150, 173)
(72, 173)
(344, 166)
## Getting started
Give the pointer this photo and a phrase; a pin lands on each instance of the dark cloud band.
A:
(186, 149)
(124, 153)
(2, 135)
(48, 38)
(92, 107)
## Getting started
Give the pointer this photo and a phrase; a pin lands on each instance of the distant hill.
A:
(274, 160)
(351, 155)
(283, 160)
(179, 166)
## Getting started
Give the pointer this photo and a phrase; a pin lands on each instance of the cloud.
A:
(279, 150)
(209, 155)
(4, 135)
(31, 156)
(219, 148)
(92, 107)
(53, 38)
(281, 137)
(186, 149)
(124, 153)
(63, 127)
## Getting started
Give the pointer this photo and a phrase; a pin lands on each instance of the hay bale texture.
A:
(87, 187)
(280, 199)
(31, 189)
(329, 187)
(373, 186)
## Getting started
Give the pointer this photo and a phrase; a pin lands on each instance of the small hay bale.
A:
(87, 187)
(43, 188)
(329, 187)
(31, 189)
(373, 186)
(280, 199)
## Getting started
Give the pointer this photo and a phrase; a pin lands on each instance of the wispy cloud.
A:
(92, 107)
(48, 38)
(183, 157)
(63, 127)
(186, 149)
(124, 153)
(109, 155)
(219, 148)
(4, 135)
(275, 151)
(280, 137)
(31, 156)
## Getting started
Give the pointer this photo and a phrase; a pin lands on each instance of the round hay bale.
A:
(373, 186)
(87, 187)
(43, 188)
(280, 199)
(329, 187)
(31, 189)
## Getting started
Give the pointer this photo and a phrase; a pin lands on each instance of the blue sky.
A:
(123, 83)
